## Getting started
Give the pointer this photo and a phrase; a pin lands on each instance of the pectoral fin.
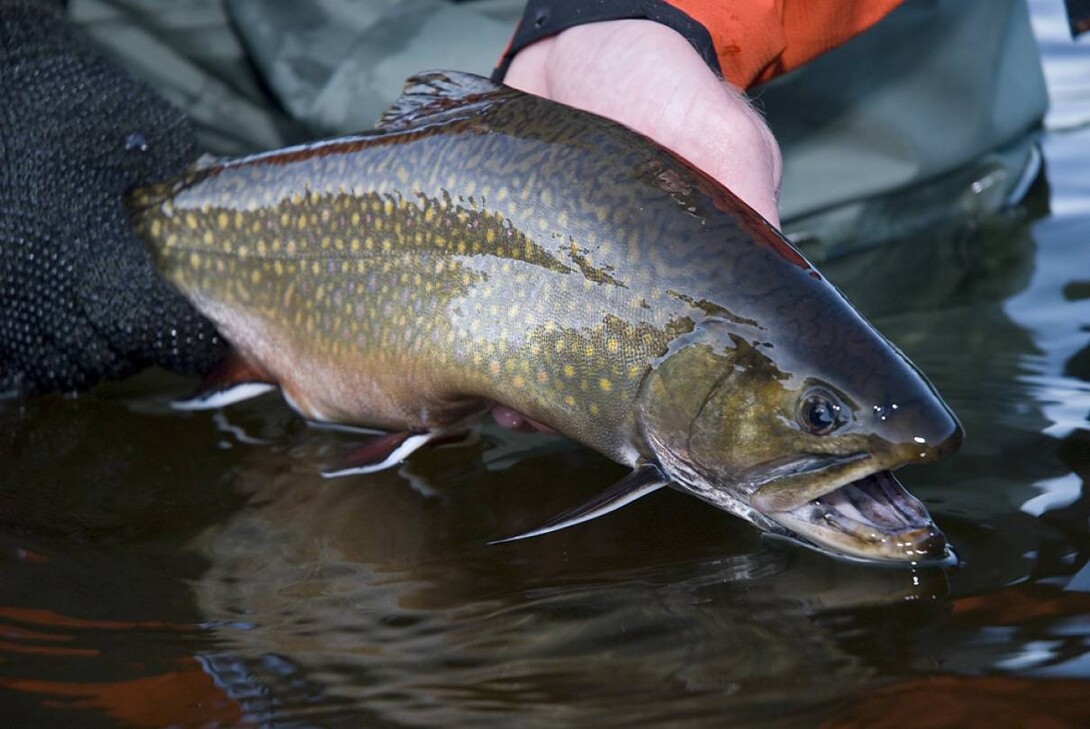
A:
(642, 481)
(233, 380)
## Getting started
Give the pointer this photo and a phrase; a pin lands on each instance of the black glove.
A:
(79, 298)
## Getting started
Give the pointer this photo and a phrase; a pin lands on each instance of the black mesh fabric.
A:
(79, 298)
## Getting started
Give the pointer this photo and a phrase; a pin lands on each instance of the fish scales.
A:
(437, 271)
(457, 266)
(491, 247)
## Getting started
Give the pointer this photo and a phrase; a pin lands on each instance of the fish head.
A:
(800, 440)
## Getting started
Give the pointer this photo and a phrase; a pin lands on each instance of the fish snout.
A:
(926, 432)
(936, 436)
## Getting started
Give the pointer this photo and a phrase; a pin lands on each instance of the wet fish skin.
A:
(495, 247)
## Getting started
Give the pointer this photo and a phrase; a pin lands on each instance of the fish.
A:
(483, 250)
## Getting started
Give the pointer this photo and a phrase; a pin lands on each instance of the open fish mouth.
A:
(872, 518)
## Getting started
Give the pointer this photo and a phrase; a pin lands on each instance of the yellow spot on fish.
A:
(279, 268)
(156, 228)
(569, 371)
(222, 221)
(594, 408)
(355, 218)
(612, 345)
(194, 260)
(207, 238)
(255, 277)
(315, 268)
(542, 376)
(191, 221)
(589, 351)
(569, 400)
(605, 384)
(519, 381)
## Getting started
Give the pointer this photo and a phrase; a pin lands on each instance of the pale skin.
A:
(648, 77)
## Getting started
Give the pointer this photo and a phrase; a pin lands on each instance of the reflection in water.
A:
(391, 602)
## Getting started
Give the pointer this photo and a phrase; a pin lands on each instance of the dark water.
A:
(167, 569)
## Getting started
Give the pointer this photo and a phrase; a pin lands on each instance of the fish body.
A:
(490, 248)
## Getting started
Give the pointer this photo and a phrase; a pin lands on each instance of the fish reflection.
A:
(387, 600)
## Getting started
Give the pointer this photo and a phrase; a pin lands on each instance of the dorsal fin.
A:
(436, 96)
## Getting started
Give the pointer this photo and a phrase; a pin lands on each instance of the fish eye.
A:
(820, 412)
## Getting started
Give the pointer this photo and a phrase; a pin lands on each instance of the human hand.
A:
(79, 297)
(647, 77)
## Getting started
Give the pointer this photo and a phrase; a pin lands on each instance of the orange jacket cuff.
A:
(758, 40)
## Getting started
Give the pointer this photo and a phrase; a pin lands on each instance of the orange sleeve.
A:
(758, 40)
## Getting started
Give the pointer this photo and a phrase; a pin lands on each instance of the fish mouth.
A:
(871, 518)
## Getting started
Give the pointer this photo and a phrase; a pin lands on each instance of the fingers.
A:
(648, 77)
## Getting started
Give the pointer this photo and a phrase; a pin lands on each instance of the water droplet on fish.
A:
(136, 142)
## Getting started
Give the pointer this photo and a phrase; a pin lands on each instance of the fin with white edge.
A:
(233, 380)
(643, 480)
(381, 453)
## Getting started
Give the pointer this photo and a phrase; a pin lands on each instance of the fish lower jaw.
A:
(872, 519)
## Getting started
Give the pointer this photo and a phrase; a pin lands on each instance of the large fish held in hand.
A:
(488, 250)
